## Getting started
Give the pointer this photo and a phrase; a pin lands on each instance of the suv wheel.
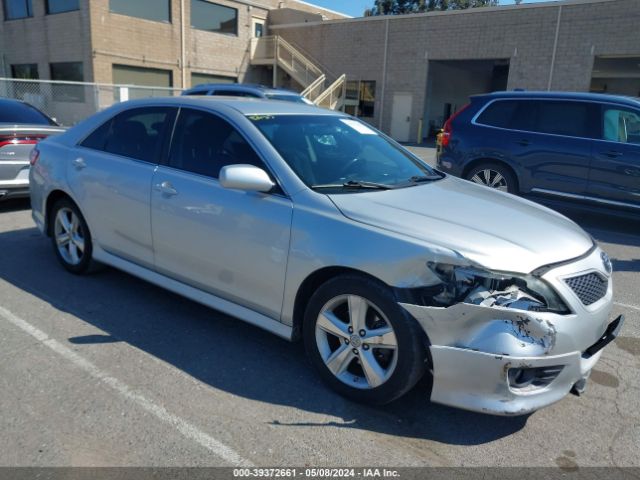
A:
(493, 175)
(363, 344)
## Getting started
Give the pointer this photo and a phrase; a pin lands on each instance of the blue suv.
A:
(576, 146)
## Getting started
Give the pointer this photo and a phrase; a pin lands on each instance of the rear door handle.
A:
(611, 154)
(166, 188)
(524, 142)
(79, 163)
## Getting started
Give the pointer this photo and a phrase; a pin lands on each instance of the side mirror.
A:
(245, 177)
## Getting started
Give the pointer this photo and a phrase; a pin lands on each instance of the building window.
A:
(155, 10)
(25, 71)
(61, 6)
(258, 28)
(199, 78)
(68, 72)
(145, 77)
(14, 9)
(213, 17)
(361, 98)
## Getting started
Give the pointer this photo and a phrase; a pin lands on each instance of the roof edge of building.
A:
(524, 6)
(346, 17)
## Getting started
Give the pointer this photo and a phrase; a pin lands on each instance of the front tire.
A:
(362, 343)
(71, 237)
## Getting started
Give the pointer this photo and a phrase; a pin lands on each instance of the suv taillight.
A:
(447, 130)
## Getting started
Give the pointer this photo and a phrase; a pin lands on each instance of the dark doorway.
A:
(451, 82)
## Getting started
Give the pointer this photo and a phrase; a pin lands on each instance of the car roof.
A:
(242, 87)
(12, 101)
(591, 97)
(244, 105)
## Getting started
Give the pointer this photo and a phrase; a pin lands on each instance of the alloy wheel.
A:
(356, 341)
(491, 178)
(69, 236)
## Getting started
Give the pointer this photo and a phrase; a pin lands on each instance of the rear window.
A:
(18, 112)
(568, 118)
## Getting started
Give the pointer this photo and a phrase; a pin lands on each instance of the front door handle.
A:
(79, 163)
(524, 142)
(166, 188)
(612, 154)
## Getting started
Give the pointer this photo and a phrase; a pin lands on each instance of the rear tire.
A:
(493, 175)
(362, 343)
(70, 237)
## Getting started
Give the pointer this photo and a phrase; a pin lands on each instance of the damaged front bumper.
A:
(506, 361)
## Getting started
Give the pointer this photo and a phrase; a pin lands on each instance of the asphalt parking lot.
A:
(107, 370)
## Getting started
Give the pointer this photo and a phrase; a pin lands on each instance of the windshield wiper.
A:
(355, 184)
(424, 178)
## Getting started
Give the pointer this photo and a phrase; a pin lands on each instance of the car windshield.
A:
(341, 153)
(285, 97)
(18, 112)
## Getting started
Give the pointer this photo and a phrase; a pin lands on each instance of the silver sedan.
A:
(313, 225)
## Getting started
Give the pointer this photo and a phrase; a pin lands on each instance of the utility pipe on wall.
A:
(555, 48)
(183, 49)
(384, 71)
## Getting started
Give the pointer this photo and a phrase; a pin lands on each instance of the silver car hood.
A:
(494, 229)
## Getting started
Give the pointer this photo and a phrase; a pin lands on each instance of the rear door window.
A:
(138, 133)
(564, 118)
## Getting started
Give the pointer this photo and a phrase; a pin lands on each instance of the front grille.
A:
(589, 288)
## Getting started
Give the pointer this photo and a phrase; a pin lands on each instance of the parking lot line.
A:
(185, 428)
(626, 305)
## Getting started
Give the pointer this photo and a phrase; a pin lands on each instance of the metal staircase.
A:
(275, 51)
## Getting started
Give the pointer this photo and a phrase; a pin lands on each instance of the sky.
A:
(356, 7)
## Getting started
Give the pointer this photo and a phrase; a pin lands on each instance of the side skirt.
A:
(194, 294)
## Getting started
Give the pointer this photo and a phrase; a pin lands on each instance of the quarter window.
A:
(621, 125)
(136, 133)
(512, 114)
(213, 17)
(204, 143)
(14, 9)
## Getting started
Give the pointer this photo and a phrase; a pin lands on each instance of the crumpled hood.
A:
(497, 230)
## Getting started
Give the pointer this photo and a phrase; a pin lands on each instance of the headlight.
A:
(483, 287)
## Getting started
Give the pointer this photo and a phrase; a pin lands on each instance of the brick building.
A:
(148, 42)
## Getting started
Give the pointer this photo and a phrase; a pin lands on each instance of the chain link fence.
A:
(71, 102)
